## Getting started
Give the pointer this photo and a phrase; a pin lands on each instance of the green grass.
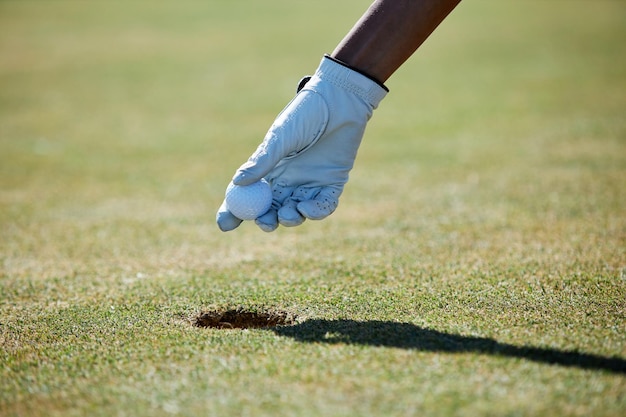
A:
(476, 264)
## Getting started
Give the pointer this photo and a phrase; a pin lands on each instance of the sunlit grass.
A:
(476, 264)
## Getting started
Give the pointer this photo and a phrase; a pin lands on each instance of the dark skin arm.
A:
(388, 34)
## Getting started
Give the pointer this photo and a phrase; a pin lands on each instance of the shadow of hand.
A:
(409, 336)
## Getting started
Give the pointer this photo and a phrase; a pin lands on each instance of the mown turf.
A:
(476, 264)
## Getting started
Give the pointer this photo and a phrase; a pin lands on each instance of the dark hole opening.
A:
(243, 319)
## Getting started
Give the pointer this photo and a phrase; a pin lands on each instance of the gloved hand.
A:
(310, 148)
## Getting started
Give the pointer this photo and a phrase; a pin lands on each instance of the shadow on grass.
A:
(409, 336)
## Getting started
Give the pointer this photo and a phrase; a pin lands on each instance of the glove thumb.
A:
(259, 165)
(295, 130)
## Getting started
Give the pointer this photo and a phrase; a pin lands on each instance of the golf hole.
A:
(240, 318)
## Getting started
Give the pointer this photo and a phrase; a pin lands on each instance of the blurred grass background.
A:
(487, 201)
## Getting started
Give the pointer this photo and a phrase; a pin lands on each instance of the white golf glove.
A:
(310, 148)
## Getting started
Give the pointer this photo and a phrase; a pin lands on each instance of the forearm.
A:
(388, 34)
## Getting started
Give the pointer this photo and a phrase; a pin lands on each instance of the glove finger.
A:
(280, 193)
(268, 222)
(323, 205)
(226, 221)
(288, 215)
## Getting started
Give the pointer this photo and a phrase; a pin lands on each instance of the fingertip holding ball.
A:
(248, 202)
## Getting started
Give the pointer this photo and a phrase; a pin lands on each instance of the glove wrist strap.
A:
(352, 80)
(340, 62)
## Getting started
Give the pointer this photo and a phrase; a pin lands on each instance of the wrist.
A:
(345, 64)
(349, 79)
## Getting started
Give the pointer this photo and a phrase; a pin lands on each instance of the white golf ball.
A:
(249, 201)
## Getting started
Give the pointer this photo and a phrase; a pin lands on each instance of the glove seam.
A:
(322, 128)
